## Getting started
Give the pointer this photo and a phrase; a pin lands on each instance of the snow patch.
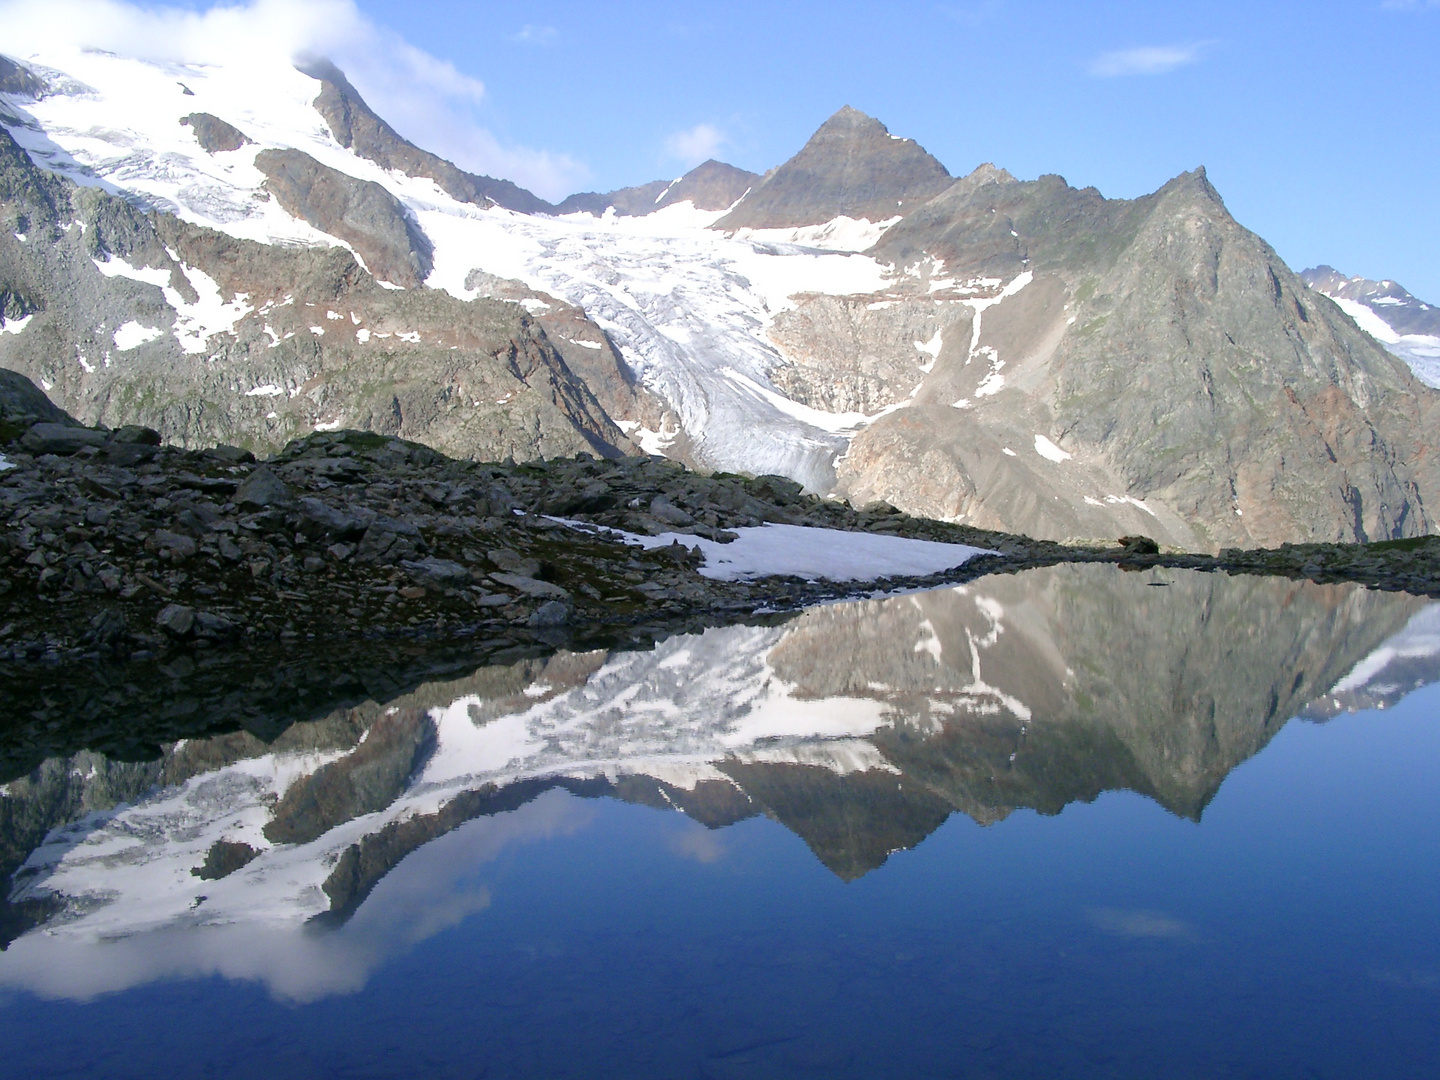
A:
(811, 553)
(132, 335)
(15, 326)
(267, 390)
(1049, 451)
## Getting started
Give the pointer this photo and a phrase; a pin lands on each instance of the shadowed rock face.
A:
(360, 212)
(356, 127)
(1167, 356)
(214, 134)
(851, 167)
(712, 185)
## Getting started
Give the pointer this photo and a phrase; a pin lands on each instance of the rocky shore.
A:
(209, 587)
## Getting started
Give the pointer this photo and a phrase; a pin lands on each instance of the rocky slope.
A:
(851, 167)
(1407, 326)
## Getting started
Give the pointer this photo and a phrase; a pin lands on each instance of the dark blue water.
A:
(1294, 932)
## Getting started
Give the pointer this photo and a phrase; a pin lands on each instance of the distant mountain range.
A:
(231, 257)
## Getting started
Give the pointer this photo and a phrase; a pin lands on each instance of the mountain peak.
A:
(852, 167)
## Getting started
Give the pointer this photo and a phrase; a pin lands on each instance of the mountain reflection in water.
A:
(860, 727)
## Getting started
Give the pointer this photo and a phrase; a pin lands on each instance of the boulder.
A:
(47, 438)
(261, 489)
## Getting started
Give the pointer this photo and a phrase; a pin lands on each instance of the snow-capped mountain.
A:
(860, 726)
(244, 256)
(1408, 327)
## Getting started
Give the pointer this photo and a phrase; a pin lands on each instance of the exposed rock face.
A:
(314, 339)
(360, 212)
(214, 134)
(1149, 351)
(356, 127)
(851, 167)
(712, 185)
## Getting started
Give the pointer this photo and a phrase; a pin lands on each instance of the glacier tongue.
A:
(688, 308)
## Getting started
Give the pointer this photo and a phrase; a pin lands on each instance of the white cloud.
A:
(427, 99)
(529, 34)
(1145, 60)
(695, 144)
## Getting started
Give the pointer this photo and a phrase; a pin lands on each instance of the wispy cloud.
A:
(1146, 60)
(529, 34)
(696, 144)
(426, 98)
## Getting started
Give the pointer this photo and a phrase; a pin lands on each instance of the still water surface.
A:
(1058, 824)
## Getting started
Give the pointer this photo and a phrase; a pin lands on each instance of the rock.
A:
(413, 592)
(322, 519)
(60, 438)
(233, 454)
(176, 619)
(340, 552)
(661, 509)
(135, 434)
(261, 489)
(441, 573)
(532, 587)
(550, 613)
(210, 625)
(313, 564)
(1139, 545)
(510, 561)
(171, 545)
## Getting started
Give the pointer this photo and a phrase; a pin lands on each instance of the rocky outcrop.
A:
(712, 185)
(213, 134)
(1151, 367)
(851, 167)
(359, 212)
(356, 127)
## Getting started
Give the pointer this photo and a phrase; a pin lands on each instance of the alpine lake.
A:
(1070, 822)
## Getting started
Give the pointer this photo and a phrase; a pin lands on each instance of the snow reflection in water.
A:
(861, 727)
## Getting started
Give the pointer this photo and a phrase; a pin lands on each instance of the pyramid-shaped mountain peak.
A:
(852, 167)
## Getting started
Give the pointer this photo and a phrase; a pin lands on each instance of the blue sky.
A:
(1316, 120)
